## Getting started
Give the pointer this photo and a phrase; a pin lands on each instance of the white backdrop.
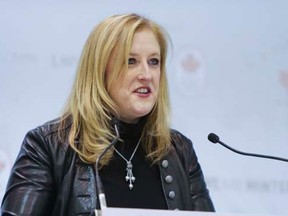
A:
(228, 74)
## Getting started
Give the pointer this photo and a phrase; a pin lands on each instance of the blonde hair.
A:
(89, 104)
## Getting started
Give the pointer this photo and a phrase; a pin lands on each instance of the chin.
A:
(142, 113)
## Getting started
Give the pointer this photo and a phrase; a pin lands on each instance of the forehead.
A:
(145, 40)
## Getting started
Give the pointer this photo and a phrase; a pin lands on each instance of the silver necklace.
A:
(129, 176)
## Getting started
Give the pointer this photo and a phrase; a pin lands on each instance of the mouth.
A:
(143, 90)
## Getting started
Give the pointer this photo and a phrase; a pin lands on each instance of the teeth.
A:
(142, 90)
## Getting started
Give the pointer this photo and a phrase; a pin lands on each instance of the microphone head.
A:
(213, 138)
(115, 125)
(114, 121)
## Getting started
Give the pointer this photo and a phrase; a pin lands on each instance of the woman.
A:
(121, 76)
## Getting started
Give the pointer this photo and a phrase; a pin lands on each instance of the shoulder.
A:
(52, 127)
(184, 148)
(179, 140)
(43, 146)
(45, 138)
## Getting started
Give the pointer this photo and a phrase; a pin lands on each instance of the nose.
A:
(145, 72)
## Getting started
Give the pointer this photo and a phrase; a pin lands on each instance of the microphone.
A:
(215, 139)
(99, 185)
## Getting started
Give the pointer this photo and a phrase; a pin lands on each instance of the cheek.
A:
(157, 79)
(117, 93)
(114, 92)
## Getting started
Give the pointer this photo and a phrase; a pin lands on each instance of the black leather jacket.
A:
(48, 178)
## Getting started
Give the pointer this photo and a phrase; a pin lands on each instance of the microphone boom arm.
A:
(100, 188)
(252, 154)
(215, 139)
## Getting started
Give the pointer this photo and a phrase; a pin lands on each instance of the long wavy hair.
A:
(89, 105)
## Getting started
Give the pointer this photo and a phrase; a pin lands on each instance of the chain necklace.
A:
(129, 176)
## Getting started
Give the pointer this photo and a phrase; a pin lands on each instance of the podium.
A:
(149, 212)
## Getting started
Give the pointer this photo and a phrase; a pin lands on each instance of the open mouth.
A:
(143, 90)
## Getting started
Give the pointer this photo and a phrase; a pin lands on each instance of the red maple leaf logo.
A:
(190, 63)
(284, 78)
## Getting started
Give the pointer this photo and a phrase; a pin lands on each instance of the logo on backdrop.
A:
(190, 71)
(250, 185)
(284, 78)
(55, 60)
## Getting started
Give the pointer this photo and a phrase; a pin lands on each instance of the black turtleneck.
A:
(147, 189)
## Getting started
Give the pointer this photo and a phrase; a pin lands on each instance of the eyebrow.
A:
(153, 54)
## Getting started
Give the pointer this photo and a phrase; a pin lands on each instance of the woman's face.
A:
(136, 91)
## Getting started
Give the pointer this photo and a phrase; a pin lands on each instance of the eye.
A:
(131, 61)
(154, 61)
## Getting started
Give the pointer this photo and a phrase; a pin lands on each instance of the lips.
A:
(143, 90)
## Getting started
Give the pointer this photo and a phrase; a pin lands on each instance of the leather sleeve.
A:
(201, 200)
(30, 189)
